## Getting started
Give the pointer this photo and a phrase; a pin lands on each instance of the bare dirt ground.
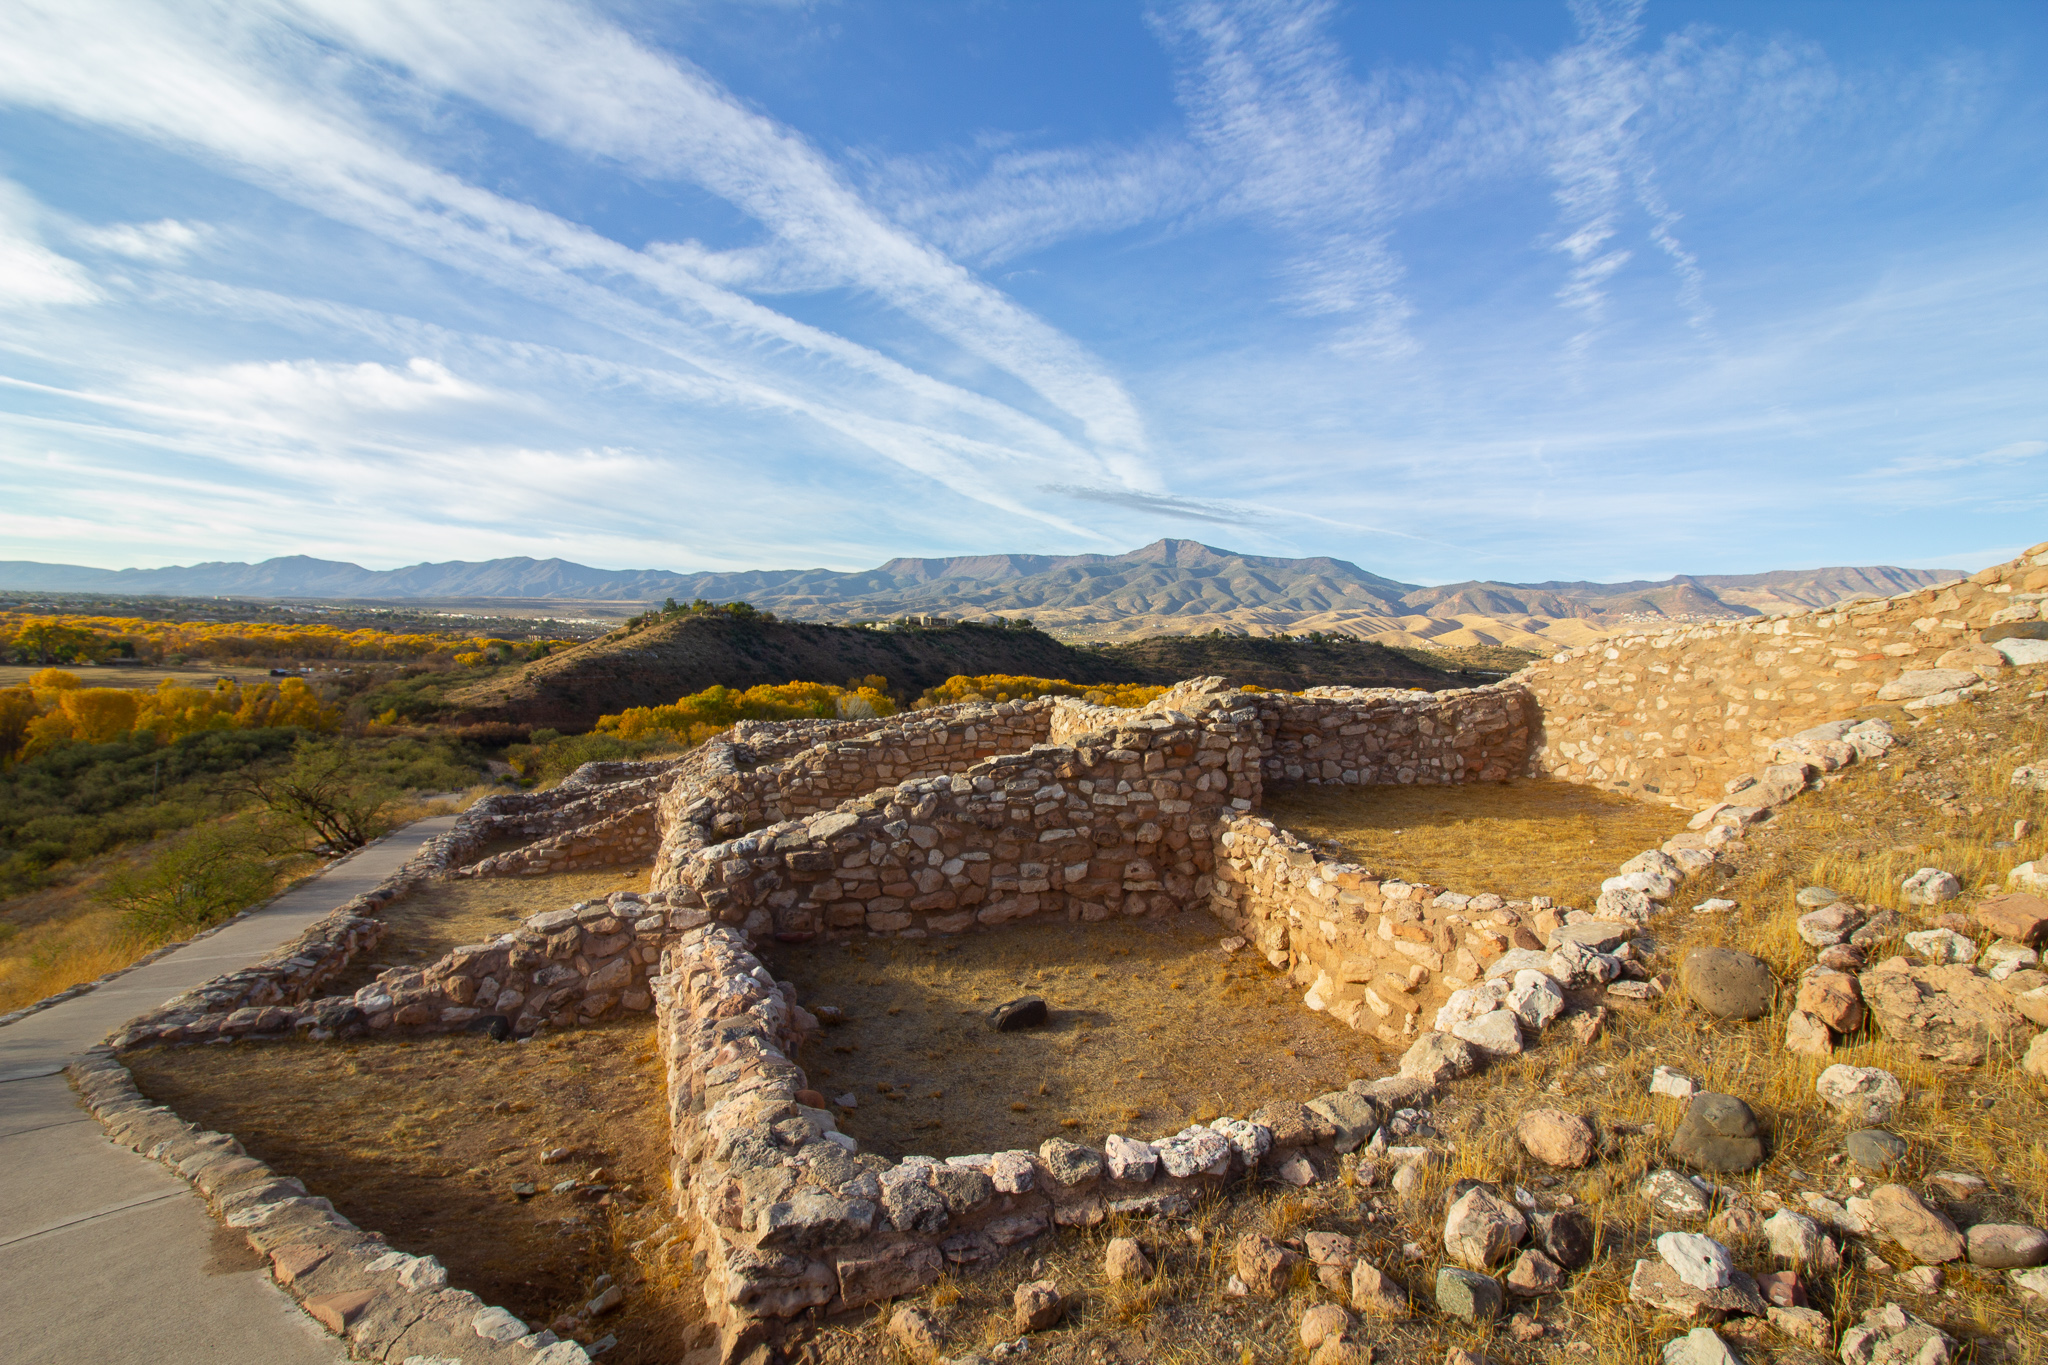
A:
(449, 912)
(1528, 837)
(439, 1143)
(1153, 1027)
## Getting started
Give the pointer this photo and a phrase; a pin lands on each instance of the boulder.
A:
(1926, 1234)
(1832, 997)
(1534, 1274)
(1930, 886)
(1027, 1011)
(2035, 1063)
(1889, 1335)
(1807, 1036)
(1719, 1133)
(1565, 1235)
(1069, 1162)
(1794, 1237)
(1497, 1033)
(1264, 1265)
(1322, 1322)
(2031, 876)
(1467, 1296)
(1535, 1000)
(1556, 1138)
(1814, 897)
(1700, 1261)
(1826, 927)
(1038, 1305)
(1804, 1325)
(1481, 1229)
(914, 1329)
(1372, 1292)
(1130, 1159)
(1700, 1346)
(1125, 1261)
(1874, 1150)
(1925, 682)
(1435, 1058)
(1728, 984)
(2006, 1246)
(1941, 946)
(1658, 1285)
(1673, 1195)
(2016, 916)
(1947, 1014)
(1864, 1095)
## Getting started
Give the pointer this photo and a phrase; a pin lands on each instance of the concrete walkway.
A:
(106, 1256)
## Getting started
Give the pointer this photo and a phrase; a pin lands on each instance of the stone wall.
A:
(592, 795)
(791, 1216)
(1379, 955)
(725, 795)
(560, 968)
(1363, 736)
(1119, 823)
(1675, 715)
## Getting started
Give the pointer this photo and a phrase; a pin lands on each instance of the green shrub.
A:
(203, 877)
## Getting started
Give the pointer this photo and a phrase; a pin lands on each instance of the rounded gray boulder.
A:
(1728, 984)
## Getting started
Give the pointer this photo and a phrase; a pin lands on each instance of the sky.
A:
(1519, 291)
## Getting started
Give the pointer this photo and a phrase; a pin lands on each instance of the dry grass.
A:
(64, 935)
(451, 911)
(1528, 837)
(424, 1140)
(1152, 1028)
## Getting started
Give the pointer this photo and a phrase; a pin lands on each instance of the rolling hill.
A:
(656, 664)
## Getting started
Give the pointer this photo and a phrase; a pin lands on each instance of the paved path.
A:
(106, 1256)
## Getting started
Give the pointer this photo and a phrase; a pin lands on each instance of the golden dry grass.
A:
(1528, 837)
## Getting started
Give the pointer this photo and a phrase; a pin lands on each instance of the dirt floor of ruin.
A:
(443, 1144)
(1152, 1027)
(448, 912)
(1527, 837)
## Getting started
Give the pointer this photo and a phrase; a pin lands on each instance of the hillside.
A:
(654, 666)
(1168, 587)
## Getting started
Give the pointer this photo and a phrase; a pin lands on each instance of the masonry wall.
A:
(725, 796)
(1674, 715)
(1379, 955)
(790, 1219)
(1118, 824)
(1364, 736)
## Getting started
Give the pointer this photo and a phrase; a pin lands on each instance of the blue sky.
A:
(1517, 291)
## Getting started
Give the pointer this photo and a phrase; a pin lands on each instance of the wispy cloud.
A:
(1998, 457)
(1162, 504)
(166, 241)
(31, 273)
(1306, 148)
(247, 89)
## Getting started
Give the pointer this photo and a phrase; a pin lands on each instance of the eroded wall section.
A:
(1675, 715)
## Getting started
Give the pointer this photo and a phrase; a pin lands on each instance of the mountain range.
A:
(1168, 587)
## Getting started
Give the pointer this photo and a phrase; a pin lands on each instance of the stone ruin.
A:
(979, 818)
